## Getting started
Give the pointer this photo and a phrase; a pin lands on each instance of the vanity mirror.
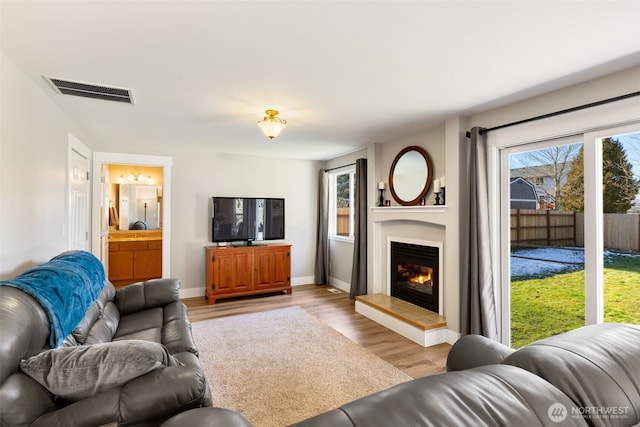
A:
(139, 206)
(410, 175)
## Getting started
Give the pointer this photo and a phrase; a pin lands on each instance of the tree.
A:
(553, 162)
(573, 200)
(619, 186)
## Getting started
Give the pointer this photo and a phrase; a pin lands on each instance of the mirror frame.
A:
(427, 184)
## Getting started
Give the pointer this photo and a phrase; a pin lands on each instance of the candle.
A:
(381, 185)
(436, 185)
(442, 184)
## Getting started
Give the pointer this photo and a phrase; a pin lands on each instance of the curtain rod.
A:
(557, 113)
(339, 167)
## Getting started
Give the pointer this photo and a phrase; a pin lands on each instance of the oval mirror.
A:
(410, 175)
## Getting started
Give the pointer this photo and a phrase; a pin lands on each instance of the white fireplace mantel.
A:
(429, 214)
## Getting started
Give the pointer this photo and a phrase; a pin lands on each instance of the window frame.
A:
(333, 191)
(590, 126)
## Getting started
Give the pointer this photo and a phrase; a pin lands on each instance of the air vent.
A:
(90, 90)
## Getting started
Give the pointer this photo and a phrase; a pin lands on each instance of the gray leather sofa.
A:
(136, 316)
(586, 377)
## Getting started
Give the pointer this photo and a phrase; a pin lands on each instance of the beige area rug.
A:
(282, 366)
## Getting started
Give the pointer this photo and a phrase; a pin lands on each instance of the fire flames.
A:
(422, 280)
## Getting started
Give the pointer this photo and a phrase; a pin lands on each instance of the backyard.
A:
(547, 291)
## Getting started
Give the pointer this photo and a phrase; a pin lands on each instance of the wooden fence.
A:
(554, 228)
(543, 227)
(342, 221)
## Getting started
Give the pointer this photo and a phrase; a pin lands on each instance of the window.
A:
(341, 195)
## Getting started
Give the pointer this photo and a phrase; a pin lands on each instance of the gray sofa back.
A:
(149, 311)
(24, 332)
(493, 395)
(597, 366)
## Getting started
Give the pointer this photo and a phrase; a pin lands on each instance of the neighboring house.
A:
(541, 177)
(523, 194)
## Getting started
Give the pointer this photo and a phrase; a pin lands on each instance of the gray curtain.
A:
(321, 272)
(477, 297)
(359, 269)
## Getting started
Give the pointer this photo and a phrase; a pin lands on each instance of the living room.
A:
(36, 124)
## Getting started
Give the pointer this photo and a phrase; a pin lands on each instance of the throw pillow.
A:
(75, 373)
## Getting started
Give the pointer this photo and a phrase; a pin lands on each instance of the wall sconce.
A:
(271, 125)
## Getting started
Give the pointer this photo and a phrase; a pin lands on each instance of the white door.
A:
(79, 201)
(105, 217)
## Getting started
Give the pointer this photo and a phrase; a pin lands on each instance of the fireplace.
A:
(415, 274)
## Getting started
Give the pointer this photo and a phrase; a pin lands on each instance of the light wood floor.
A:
(337, 311)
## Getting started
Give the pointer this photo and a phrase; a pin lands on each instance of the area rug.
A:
(282, 366)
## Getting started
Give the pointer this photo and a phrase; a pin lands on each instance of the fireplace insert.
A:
(415, 273)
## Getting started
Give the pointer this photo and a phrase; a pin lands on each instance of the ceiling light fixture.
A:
(271, 125)
(135, 178)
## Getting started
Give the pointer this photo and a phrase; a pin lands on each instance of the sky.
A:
(630, 142)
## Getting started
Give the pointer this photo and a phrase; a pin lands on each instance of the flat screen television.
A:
(246, 219)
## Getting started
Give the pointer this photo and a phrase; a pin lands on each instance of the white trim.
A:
(593, 220)
(343, 239)
(595, 119)
(585, 126)
(303, 280)
(339, 284)
(503, 248)
(192, 292)
(74, 144)
(100, 158)
(333, 176)
(425, 338)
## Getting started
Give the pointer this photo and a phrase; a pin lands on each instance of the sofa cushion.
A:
(75, 373)
(105, 327)
(597, 366)
(144, 295)
(139, 321)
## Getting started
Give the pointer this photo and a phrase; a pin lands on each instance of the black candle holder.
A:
(440, 202)
(381, 199)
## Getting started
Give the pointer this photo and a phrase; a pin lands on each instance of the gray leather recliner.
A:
(149, 311)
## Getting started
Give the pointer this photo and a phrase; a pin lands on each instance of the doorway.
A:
(103, 180)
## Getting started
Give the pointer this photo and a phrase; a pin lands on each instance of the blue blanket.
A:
(65, 287)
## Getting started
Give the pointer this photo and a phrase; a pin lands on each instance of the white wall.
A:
(616, 84)
(443, 143)
(198, 176)
(33, 162)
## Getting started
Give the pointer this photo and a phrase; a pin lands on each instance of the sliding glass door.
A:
(621, 227)
(546, 241)
(571, 249)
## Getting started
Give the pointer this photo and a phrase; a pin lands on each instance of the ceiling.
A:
(343, 74)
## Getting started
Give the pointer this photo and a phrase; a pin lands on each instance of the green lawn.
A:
(541, 307)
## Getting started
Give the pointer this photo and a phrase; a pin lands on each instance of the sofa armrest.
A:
(147, 400)
(471, 351)
(148, 294)
(206, 417)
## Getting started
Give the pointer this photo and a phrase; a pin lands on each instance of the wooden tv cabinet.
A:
(234, 271)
